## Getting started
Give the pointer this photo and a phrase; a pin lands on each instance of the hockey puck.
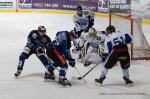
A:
(79, 78)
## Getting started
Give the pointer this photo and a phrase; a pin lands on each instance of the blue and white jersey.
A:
(82, 22)
(63, 43)
(33, 40)
(116, 38)
(61, 36)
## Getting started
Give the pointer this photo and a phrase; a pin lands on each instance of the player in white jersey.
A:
(93, 41)
(117, 50)
(83, 20)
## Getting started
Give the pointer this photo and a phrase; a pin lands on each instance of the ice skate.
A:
(49, 76)
(64, 81)
(128, 81)
(100, 80)
(17, 73)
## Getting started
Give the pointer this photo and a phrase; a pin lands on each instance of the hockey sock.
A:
(104, 72)
(62, 72)
(125, 72)
(49, 68)
(20, 65)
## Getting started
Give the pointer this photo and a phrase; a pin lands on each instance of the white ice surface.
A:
(14, 29)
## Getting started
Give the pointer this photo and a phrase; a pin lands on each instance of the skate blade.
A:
(130, 85)
(65, 85)
(98, 84)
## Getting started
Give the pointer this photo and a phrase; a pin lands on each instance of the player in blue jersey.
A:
(62, 43)
(34, 46)
(57, 59)
(117, 50)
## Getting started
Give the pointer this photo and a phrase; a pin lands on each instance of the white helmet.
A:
(92, 31)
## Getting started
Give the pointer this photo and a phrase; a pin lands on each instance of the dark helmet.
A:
(79, 8)
(42, 29)
(110, 29)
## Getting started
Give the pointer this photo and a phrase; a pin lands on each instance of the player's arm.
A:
(108, 46)
(82, 40)
(48, 44)
(61, 37)
(91, 16)
(32, 39)
(77, 25)
(128, 38)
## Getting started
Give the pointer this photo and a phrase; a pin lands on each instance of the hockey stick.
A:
(79, 73)
(82, 76)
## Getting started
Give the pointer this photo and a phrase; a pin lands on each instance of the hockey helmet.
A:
(42, 29)
(73, 34)
(92, 32)
(110, 29)
(79, 8)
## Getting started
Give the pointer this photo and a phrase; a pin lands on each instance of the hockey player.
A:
(83, 20)
(57, 59)
(34, 46)
(116, 47)
(93, 40)
(62, 43)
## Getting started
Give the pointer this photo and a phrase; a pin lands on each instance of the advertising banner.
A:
(7, 4)
(46, 4)
(102, 5)
(63, 4)
(120, 6)
(26, 4)
(85, 4)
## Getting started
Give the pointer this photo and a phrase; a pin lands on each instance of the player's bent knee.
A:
(26, 50)
(125, 66)
(23, 56)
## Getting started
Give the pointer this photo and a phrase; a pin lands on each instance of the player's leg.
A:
(101, 52)
(124, 59)
(60, 61)
(110, 62)
(76, 47)
(49, 74)
(24, 55)
(89, 52)
(62, 75)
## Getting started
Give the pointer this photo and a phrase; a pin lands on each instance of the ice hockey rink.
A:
(14, 28)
